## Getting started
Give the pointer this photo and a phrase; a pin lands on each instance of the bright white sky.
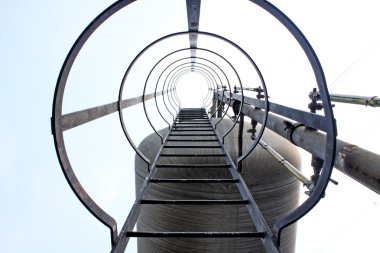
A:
(41, 214)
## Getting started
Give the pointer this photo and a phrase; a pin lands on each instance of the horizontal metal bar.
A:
(192, 130)
(192, 155)
(356, 162)
(193, 202)
(180, 119)
(359, 100)
(179, 140)
(186, 127)
(196, 234)
(310, 119)
(200, 166)
(190, 115)
(192, 124)
(178, 146)
(78, 118)
(157, 180)
(192, 134)
(193, 119)
(202, 116)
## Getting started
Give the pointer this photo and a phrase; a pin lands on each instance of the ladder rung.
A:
(197, 116)
(198, 166)
(193, 155)
(192, 134)
(192, 126)
(192, 123)
(194, 202)
(179, 119)
(192, 130)
(179, 140)
(197, 234)
(200, 122)
(177, 146)
(158, 180)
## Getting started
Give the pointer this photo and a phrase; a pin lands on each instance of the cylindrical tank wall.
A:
(272, 186)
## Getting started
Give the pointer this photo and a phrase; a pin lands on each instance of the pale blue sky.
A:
(39, 213)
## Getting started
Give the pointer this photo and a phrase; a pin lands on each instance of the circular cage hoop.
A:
(172, 53)
(195, 63)
(242, 51)
(105, 218)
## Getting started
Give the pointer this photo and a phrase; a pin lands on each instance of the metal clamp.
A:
(291, 128)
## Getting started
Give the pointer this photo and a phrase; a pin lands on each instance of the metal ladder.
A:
(190, 130)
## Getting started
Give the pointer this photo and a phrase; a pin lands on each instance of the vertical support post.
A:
(220, 109)
(316, 162)
(214, 107)
(317, 165)
(240, 140)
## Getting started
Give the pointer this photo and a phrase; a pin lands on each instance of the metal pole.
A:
(240, 140)
(360, 164)
(297, 173)
(359, 100)
(373, 101)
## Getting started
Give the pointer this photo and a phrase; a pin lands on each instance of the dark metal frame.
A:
(139, 153)
(193, 63)
(328, 124)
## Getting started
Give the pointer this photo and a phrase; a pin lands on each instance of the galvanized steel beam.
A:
(357, 163)
(78, 118)
(193, 13)
(358, 100)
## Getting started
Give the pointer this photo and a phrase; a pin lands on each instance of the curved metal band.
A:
(142, 52)
(163, 93)
(197, 63)
(59, 144)
(320, 188)
(200, 70)
(179, 74)
(206, 77)
(210, 51)
(156, 99)
(213, 69)
(163, 58)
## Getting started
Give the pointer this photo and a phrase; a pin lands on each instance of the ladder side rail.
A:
(135, 210)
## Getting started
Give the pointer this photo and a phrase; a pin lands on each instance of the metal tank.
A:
(274, 188)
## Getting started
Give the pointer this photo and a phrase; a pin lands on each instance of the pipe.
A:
(353, 99)
(357, 163)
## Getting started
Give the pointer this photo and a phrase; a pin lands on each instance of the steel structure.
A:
(313, 132)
